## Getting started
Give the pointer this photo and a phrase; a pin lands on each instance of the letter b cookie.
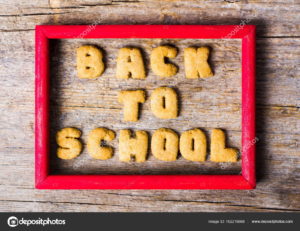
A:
(89, 62)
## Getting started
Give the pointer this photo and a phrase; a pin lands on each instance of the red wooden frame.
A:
(43, 180)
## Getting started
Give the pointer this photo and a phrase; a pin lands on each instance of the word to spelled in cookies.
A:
(165, 144)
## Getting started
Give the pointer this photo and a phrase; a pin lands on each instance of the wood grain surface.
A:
(278, 129)
(87, 104)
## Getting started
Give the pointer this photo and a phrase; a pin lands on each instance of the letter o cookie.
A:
(192, 145)
(164, 103)
(164, 144)
(68, 142)
(89, 62)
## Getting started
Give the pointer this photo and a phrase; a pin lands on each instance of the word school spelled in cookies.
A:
(133, 146)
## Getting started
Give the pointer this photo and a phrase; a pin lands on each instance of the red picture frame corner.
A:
(43, 178)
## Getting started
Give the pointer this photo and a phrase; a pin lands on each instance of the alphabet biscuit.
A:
(130, 147)
(158, 64)
(95, 149)
(192, 145)
(195, 62)
(68, 142)
(164, 144)
(131, 100)
(164, 103)
(89, 62)
(130, 64)
(218, 152)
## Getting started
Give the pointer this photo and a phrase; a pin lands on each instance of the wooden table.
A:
(278, 129)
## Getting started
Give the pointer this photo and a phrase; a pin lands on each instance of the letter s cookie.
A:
(68, 142)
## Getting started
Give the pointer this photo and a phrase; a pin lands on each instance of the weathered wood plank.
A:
(87, 104)
(25, 15)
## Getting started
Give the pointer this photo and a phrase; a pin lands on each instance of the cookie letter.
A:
(195, 63)
(193, 145)
(130, 64)
(164, 144)
(133, 147)
(158, 64)
(95, 149)
(89, 62)
(68, 142)
(131, 100)
(164, 103)
(218, 152)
